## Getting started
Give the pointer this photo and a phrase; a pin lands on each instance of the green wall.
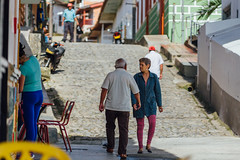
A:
(153, 24)
(190, 8)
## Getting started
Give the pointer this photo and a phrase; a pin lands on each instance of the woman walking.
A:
(150, 96)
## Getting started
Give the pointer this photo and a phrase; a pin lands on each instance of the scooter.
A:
(51, 59)
(117, 37)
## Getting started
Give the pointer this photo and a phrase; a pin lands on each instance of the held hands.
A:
(160, 109)
(101, 107)
(136, 106)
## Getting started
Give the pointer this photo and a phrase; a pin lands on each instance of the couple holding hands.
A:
(143, 90)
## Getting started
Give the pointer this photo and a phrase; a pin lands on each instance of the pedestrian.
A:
(156, 62)
(46, 35)
(150, 95)
(68, 20)
(118, 86)
(31, 88)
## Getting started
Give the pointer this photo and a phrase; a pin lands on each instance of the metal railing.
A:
(194, 26)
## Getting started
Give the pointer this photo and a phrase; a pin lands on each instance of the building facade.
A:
(58, 9)
(118, 15)
(175, 18)
(218, 65)
(88, 14)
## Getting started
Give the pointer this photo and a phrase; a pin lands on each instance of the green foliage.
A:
(208, 9)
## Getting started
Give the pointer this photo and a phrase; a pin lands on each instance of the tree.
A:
(209, 8)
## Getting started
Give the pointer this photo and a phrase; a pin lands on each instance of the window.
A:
(227, 12)
(60, 20)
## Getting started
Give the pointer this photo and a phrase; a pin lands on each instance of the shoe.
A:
(148, 149)
(109, 150)
(140, 151)
(123, 156)
(105, 145)
(64, 40)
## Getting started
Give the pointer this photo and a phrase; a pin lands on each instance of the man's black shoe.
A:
(64, 40)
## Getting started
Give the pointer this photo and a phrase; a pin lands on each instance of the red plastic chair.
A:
(61, 123)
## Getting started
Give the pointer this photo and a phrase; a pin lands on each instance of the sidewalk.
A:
(207, 148)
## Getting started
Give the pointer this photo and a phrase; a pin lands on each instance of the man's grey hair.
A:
(120, 63)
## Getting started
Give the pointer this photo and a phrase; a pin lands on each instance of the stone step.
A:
(154, 40)
(187, 66)
(171, 51)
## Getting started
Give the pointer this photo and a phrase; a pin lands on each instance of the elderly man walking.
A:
(156, 62)
(68, 20)
(118, 86)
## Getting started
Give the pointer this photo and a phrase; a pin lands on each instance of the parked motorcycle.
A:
(117, 37)
(51, 59)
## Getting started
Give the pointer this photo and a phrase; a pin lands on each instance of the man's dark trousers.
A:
(68, 26)
(123, 119)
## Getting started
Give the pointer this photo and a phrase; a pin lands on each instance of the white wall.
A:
(107, 38)
(13, 38)
(124, 17)
(222, 61)
(57, 9)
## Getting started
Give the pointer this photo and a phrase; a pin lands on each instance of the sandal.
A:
(148, 149)
(123, 156)
(140, 151)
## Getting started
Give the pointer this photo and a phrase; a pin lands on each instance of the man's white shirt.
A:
(156, 61)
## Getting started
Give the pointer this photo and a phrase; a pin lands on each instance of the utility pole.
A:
(182, 10)
(75, 24)
(51, 19)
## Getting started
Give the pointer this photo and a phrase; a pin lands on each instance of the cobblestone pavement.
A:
(82, 71)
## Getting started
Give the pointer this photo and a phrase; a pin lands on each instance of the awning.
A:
(106, 17)
(109, 11)
(30, 1)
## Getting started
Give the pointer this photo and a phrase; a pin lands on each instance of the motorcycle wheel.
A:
(42, 62)
(118, 41)
(52, 68)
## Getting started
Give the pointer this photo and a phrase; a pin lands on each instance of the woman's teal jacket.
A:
(150, 95)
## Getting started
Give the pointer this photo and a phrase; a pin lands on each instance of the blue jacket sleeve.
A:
(157, 90)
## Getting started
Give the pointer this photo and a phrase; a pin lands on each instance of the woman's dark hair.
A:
(146, 61)
(21, 50)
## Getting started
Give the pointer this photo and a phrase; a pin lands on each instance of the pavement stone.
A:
(79, 78)
(81, 73)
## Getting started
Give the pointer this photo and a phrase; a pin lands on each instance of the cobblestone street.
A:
(82, 71)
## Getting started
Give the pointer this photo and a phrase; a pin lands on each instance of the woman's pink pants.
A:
(151, 129)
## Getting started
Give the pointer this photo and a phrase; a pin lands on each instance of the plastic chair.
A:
(8, 151)
(61, 123)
